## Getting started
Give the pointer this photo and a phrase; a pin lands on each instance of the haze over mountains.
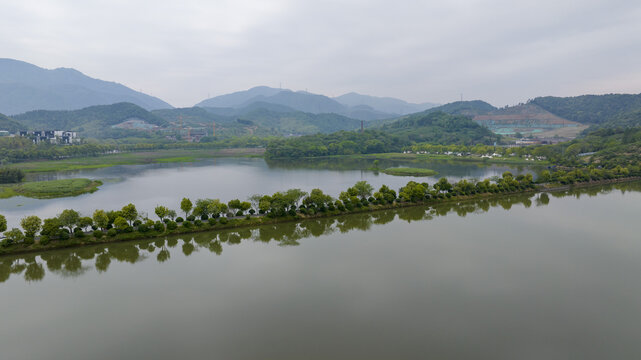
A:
(37, 98)
(25, 87)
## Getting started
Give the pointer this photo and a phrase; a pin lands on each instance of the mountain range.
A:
(25, 87)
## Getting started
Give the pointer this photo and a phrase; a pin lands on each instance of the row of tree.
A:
(293, 202)
(10, 175)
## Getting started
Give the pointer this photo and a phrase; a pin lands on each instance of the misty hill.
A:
(440, 128)
(8, 124)
(93, 121)
(256, 119)
(298, 101)
(237, 98)
(590, 109)
(386, 105)
(25, 87)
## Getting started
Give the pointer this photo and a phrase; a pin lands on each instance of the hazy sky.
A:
(184, 50)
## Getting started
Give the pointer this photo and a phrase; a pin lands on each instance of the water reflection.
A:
(77, 261)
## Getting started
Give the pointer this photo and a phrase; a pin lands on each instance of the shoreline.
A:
(256, 221)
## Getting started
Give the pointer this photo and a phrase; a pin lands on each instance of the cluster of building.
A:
(51, 136)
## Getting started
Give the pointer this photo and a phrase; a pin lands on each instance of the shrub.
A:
(128, 229)
(29, 240)
(211, 221)
(77, 232)
(252, 211)
(44, 240)
(239, 213)
(371, 199)
(172, 225)
(143, 228)
(248, 217)
(64, 234)
(187, 224)
(137, 222)
(291, 212)
(341, 207)
(179, 219)
(96, 233)
(112, 232)
(261, 211)
(204, 217)
(224, 221)
(303, 211)
(166, 220)
(191, 218)
(198, 222)
(158, 226)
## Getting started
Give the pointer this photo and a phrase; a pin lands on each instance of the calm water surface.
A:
(523, 277)
(166, 184)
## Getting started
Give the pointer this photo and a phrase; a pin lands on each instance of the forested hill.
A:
(468, 108)
(91, 121)
(590, 109)
(441, 128)
(438, 128)
(9, 125)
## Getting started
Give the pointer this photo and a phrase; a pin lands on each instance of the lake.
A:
(518, 277)
(226, 178)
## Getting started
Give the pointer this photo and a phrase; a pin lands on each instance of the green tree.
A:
(130, 213)
(121, 223)
(101, 219)
(69, 218)
(51, 227)
(31, 225)
(363, 189)
(3, 223)
(162, 212)
(185, 206)
(14, 236)
(85, 222)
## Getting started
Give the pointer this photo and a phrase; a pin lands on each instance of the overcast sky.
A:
(183, 51)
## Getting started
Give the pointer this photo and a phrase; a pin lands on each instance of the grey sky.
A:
(184, 50)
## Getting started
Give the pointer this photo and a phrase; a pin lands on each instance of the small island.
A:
(406, 171)
(50, 189)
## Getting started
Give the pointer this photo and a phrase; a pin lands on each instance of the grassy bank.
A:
(50, 189)
(134, 158)
(254, 221)
(406, 171)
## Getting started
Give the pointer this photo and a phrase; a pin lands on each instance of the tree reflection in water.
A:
(76, 261)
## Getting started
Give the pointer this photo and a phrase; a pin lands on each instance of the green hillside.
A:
(590, 109)
(468, 108)
(93, 121)
(9, 125)
(440, 128)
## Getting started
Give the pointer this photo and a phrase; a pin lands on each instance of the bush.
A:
(112, 232)
(179, 219)
(44, 240)
(224, 221)
(166, 220)
(204, 217)
(128, 229)
(28, 240)
(248, 217)
(198, 223)
(291, 212)
(191, 218)
(371, 199)
(77, 232)
(137, 222)
(239, 213)
(158, 226)
(143, 228)
(64, 234)
(187, 224)
(303, 211)
(252, 211)
(96, 233)
(211, 221)
(261, 211)
(341, 207)
(172, 225)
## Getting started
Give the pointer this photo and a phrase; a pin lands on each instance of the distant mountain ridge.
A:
(383, 104)
(26, 87)
(361, 107)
